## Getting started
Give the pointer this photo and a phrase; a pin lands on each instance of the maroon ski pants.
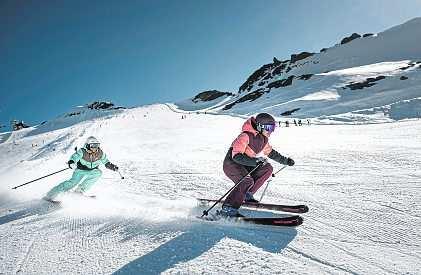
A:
(251, 183)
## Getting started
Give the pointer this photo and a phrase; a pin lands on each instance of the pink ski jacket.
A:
(250, 142)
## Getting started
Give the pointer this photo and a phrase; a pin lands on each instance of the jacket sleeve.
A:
(277, 157)
(245, 160)
(240, 144)
(238, 154)
(267, 150)
(104, 159)
(77, 155)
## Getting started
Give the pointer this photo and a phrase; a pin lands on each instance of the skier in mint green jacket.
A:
(87, 160)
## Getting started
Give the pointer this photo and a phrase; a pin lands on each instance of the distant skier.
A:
(87, 161)
(244, 155)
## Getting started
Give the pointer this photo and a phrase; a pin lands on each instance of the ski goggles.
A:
(94, 145)
(269, 127)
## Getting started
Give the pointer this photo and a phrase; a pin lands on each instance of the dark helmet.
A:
(265, 121)
(265, 118)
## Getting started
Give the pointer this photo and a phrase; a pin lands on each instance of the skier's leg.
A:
(91, 177)
(66, 185)
(237, 172)
(260, 176)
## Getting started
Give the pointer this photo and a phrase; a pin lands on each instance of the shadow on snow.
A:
(197, 237)
(200, 238)
(35, 208)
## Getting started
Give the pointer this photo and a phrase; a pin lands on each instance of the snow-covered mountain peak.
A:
(384, 68)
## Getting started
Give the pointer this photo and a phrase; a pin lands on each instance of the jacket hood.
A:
(248, 126)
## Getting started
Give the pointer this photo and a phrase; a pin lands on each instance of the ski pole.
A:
(120, 175)
(273, 175)
(41, 178)
(206, 212)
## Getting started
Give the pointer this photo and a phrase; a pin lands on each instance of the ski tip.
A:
(51, 201)
(208, 218)
(292, 221)
(304, 208)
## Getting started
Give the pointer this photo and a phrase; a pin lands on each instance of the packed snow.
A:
(361, 182)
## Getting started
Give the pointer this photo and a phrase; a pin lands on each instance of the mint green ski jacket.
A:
(88, 160)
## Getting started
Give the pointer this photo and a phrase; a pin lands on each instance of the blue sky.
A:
(59, 54)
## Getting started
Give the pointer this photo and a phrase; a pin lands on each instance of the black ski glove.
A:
(262, 161)
(69, 163)
(280, 158)
(111, 166)
(290, 162)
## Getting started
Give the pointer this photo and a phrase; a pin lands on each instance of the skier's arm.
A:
(104, 159)
(240, 144)
(238, 154)
(107, 163)
(245, 160)
(280, 158)
(77, 156)
(111, 166)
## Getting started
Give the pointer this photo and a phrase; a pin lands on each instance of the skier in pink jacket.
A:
(248, 151)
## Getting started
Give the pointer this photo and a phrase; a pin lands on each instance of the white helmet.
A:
(91, 140)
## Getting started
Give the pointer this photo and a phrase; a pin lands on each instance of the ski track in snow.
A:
(25, 259)
(360, 182)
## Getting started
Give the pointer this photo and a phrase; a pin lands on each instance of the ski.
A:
(84, 195)
(289, 221)
(51, 201)
(267, 206)
(78, 194)
(280, 221)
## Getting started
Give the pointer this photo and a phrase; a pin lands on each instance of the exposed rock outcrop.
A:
(365, 84)
(248, 97)
(350, 38)
(288, 113)
(102, 105)
(254, 77)
(281, 83)
(305, 76)
(18, 124)
(209, 95)
(300, 56)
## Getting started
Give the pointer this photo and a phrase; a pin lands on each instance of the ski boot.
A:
(81, 193)
(249, 198)
(52, 200)
(227, 211)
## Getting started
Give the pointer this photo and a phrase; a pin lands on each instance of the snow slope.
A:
(324, 86)
(361, 182)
